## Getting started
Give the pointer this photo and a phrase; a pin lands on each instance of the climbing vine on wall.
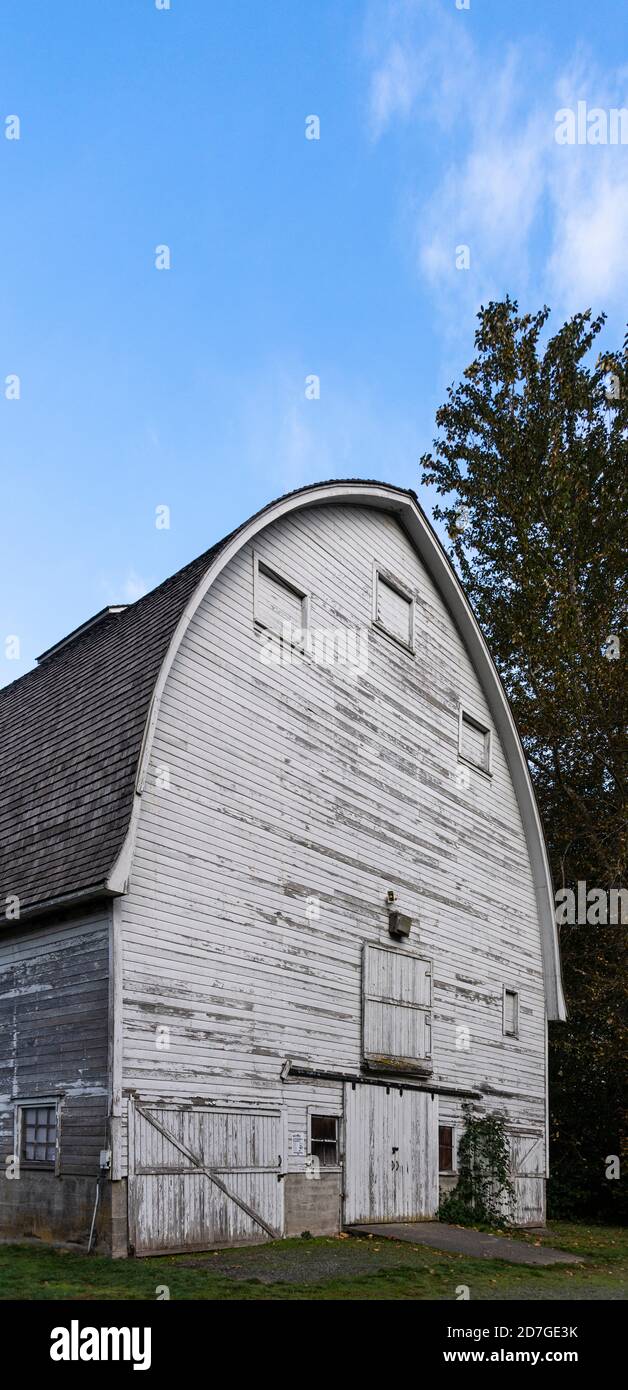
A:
(484, 1194)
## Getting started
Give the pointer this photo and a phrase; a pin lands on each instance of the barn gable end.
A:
(314, 854)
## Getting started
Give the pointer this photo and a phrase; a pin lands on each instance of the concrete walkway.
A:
(464, 1241)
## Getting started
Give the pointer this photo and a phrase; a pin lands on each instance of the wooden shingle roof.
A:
(70, 738)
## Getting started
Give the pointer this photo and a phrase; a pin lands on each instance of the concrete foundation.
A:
(313, 1204)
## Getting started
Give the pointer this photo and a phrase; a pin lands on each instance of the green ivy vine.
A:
(484, 1194)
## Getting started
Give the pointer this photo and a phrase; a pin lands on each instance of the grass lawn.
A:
(340, 1267)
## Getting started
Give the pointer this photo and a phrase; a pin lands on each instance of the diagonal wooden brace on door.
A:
(208, 1172)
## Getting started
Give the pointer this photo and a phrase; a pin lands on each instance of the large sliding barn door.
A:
(203, 1176)
(391, 1154)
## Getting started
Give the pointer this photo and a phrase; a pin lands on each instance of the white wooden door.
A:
(397, 1007)
(391, 1154)
(528, 1175)
(204, 1176)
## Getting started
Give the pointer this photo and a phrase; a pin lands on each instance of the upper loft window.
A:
(474, 741)
(510, 1013)
(278, 603)
(393, 608)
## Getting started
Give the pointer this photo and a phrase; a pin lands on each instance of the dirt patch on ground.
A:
(409, 1271)
(308, 1263)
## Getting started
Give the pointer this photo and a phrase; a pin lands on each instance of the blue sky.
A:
(141, 127)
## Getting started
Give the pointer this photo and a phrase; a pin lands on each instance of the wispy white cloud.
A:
(126, 589)
(134, 586)
(418, 54)
(588, 263)
(540, 219)
(346, 432)
(394, 88)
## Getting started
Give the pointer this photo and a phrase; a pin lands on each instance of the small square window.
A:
(393, 608)
(324, 1139)
(278, 604)
(38, 1136)
(474, 741)
(511, 1013)
(445, 1149)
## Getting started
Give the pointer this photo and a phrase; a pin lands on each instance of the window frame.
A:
(507, 1032)
(37, 1103)
(327, 1113)
(449, 1172)
(397, 585)
(270, 572)
(467, 715)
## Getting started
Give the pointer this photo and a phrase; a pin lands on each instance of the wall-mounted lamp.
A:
(399, 923)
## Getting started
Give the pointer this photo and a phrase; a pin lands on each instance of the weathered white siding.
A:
(295, 781)
(54, 1013)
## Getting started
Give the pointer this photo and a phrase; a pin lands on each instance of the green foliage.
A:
(533, 447)
(484, 1194)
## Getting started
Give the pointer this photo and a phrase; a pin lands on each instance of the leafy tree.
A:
(531, 464)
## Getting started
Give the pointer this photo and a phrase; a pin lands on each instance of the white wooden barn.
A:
(284, 900)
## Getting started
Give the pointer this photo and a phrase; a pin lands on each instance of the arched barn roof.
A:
(76, 732)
